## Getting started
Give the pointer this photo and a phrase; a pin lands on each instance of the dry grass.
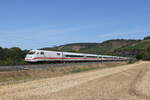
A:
(130, 83)
(108, 84)
(27, 75)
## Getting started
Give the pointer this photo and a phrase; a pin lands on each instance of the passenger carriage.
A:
(43, 55)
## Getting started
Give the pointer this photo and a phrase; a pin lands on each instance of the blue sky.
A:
(31, 24)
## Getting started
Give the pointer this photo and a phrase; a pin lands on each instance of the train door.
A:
(42, 55)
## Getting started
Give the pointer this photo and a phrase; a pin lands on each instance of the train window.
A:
(74, 56)
(31, 53)
(105, 57)
(37, 52)
(42, 53)
(58, 54)
(91, 56)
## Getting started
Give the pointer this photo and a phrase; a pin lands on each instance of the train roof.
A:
(66, 52)
(71, 53)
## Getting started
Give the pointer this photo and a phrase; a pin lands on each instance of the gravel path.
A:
(127, 82)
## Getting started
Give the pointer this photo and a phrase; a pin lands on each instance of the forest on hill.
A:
(139, 49)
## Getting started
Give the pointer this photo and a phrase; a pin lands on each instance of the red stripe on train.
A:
(60, 58)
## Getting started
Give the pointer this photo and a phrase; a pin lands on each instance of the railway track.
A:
(37, 66)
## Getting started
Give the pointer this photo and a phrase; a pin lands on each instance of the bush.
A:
(147, 38)
(145, 55)
(12, 56)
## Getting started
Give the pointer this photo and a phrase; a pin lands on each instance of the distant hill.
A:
(135, 49)
(121, 47)
(110, 47)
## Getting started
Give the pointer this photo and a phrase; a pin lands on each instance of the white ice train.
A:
(43, 55)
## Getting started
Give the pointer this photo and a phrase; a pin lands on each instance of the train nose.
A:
(29, 58)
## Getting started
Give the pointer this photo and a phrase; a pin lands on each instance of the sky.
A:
(33, 24)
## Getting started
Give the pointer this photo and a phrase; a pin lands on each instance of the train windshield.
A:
(31, 53)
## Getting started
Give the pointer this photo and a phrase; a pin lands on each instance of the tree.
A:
(9, 56)
(139, 56)
(1, 53)
(147, 38)
(148, 49)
